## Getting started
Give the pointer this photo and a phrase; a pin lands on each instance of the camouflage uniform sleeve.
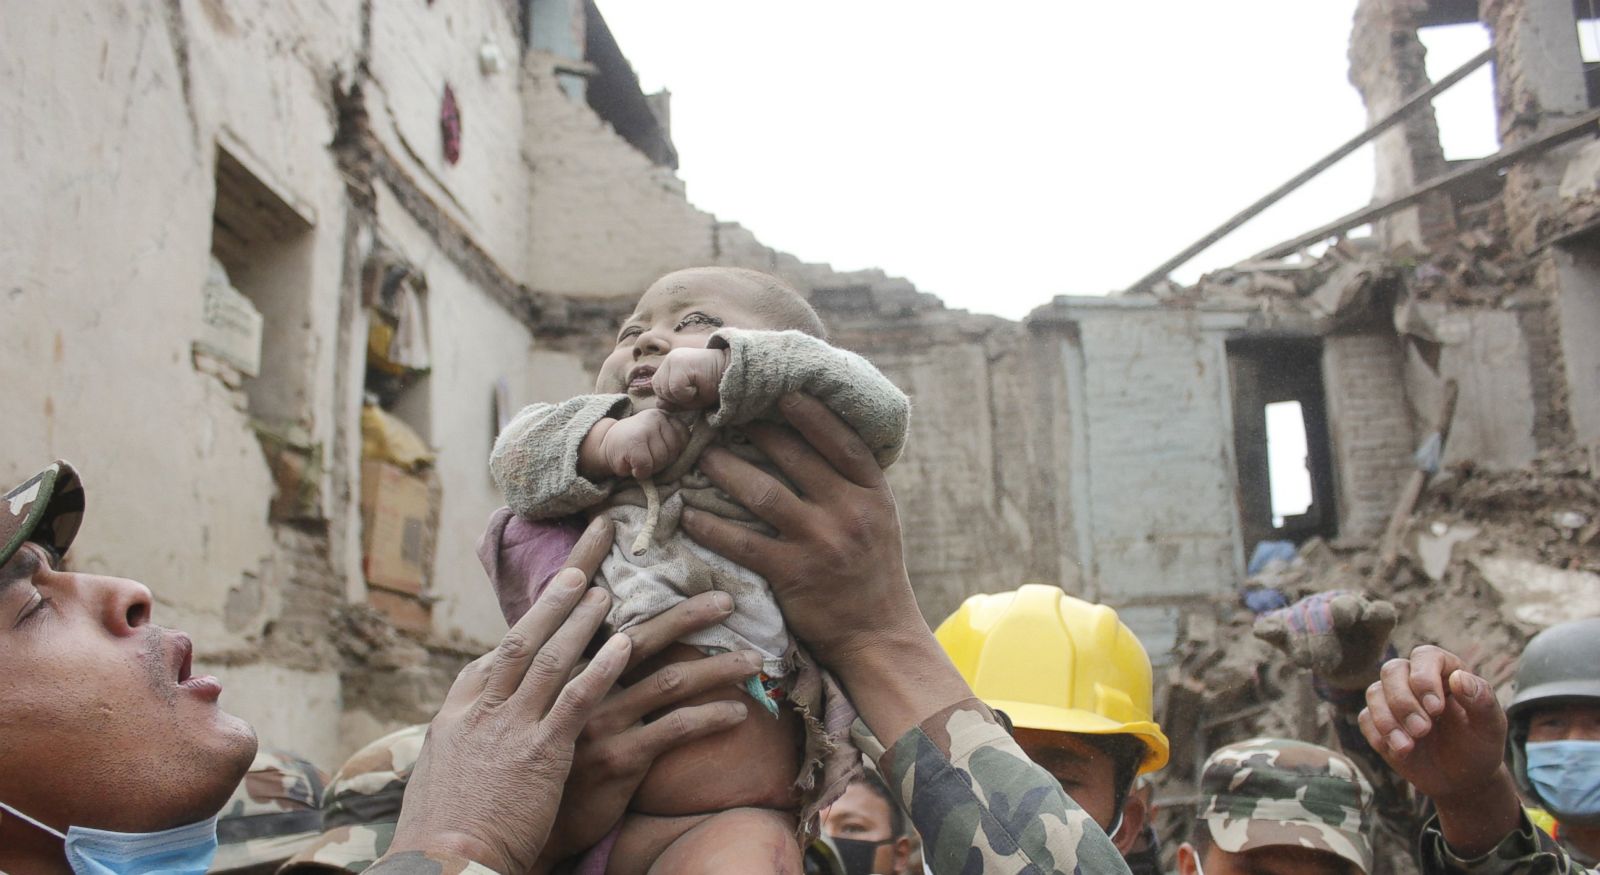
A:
(1527, 851)
(424, 863)
(982, 806)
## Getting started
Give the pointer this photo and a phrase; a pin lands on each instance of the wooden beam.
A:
(1395, 116)
(1584, 124)
(1389, 544)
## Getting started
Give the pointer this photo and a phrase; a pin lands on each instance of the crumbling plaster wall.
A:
(419, 48)
(1151, 476)
(473, 345)
(976, 488)
(1579, 309)
(604, 221)
(1485, 352)
(1538, 85)
(115, 111)
(1387, 65)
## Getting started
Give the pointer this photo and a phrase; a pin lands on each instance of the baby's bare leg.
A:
(644, 838)
(736, 842)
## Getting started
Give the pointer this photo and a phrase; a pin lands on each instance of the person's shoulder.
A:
(979, 793)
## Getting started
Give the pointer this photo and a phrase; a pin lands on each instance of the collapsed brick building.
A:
(245, 234)
(276, 273)
(1447, 369)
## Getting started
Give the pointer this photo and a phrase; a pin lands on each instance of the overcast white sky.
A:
(1000, 153)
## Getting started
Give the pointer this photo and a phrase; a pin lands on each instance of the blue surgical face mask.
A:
(184, 849)
(1567, 776)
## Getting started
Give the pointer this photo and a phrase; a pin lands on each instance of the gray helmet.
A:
(1560, 664)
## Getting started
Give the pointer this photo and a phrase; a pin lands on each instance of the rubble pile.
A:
(1488, 559)
(1473, 267)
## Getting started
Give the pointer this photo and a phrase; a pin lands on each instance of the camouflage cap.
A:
(1270, 792)
(46, 509)
(363, 803)
(274, 812)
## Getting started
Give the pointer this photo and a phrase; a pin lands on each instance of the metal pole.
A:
(1395, 116)
(1583, 124)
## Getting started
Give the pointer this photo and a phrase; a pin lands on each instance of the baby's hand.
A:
(689, 378)
(642, 444)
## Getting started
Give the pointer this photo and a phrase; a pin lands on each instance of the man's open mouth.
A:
(185, 652)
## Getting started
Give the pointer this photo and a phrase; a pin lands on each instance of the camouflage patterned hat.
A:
(1269, 792)
(275, 811)
(46, 509)
(363, 803)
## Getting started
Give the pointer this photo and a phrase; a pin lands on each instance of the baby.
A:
(705, 352)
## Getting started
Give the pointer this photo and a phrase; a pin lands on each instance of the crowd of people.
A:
(1018, 737)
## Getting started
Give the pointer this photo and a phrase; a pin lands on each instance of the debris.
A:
(1268, 551)
(1436, 547)
(395, 513)
(1571, 520)
(1538, 595)
(1428, 456)
(387, 438)
(1261, 599)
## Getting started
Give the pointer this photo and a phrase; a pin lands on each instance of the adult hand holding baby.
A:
(617, 747)
(836, 563)
(488, 782)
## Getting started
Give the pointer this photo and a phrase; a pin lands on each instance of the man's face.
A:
(1570, 721)
(1281, 860)
(864, 816)
(101, 724)
(1086, 774)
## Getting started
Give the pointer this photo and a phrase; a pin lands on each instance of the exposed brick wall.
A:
(1387, 65)
(978, 485)
(1370, 426)
(604, 220)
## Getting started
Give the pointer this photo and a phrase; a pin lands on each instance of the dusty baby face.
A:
(681, 309)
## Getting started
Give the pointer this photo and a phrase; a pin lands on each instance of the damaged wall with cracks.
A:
(1489, 285)
(1092, 446)
(236, 497)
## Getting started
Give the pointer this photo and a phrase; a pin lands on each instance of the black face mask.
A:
(856, 855)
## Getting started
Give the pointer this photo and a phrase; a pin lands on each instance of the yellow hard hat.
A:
(1056, 663)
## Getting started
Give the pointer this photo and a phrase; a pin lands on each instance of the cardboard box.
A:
(407, 613)
(395, 514)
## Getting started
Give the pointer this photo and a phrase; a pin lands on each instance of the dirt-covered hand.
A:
(1339, 635)
(1435, 723)
(835, 564)
(488, 782)
(640, 721)
(642, 444)
(690, 379)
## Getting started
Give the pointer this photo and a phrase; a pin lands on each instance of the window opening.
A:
(400, 490)
(261, 247)
(1588, 15)
(1288, 469)
(1465, 113)
(1282, 453)
(256, 317)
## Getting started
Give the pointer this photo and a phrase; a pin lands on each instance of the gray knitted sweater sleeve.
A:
(763, 366)
(535, 459)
